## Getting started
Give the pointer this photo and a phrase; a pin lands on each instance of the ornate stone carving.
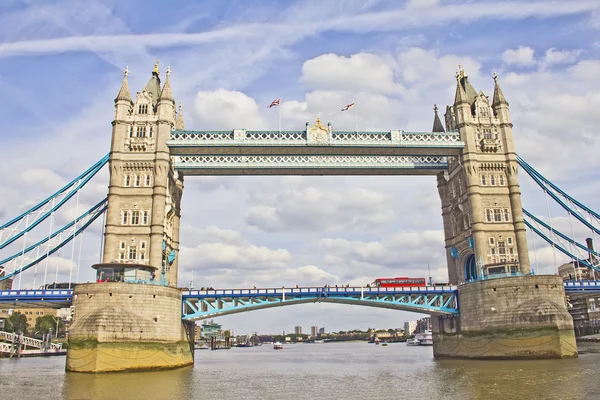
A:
(318, 133)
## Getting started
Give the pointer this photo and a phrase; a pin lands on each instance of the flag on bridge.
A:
(274, 103)
(349, 106)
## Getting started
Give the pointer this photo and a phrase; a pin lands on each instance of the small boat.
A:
(277, 346)
(384, 344)
(203, 347)
(319, 341)
(412, 342)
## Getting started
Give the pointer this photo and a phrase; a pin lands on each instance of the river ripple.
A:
(313, 371)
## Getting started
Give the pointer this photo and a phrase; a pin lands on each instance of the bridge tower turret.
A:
(480, 194)
(142, 225)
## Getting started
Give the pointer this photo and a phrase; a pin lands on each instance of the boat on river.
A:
(277, 346)
(421, 339)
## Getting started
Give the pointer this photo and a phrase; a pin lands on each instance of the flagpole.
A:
(356, 115)
(279, 112)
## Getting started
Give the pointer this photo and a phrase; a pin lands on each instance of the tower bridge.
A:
(493, 303)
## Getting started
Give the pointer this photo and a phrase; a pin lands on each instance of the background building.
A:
(424, 324)
(321, 331)
(314, 331)
(409, 327)
(298, 330)
(7, 284)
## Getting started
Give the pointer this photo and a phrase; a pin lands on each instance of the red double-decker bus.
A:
(399, 282)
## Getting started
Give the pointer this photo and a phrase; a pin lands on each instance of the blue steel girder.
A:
(213, 303)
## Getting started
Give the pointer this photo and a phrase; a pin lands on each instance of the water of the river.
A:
(313, 371)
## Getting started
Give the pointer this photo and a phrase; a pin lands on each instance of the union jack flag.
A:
(349, 106)
(274, 103)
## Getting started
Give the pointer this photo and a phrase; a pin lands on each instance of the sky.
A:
(61, 66)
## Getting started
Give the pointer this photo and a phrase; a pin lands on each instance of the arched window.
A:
(127, 180)
(144, 217)
(136, 180)
(492, 180)
(124, 219)
(470, 268)
(506, 215)
(132, 253)
(488, 215)
(501, 180)
(135, 217)
(483, 181)
(148, 180)
(140, 131)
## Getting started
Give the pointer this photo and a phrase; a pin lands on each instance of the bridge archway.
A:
(470, 268)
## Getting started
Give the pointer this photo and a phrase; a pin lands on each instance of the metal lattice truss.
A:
(310, 162)
(203, 304)
(298, 138)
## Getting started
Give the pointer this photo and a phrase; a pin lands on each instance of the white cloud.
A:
(553, 56)
(330, 71)
(523, 55)
(225, 109)
(318, 210)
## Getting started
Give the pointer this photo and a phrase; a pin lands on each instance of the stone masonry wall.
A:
(111, 312)
(516, 317)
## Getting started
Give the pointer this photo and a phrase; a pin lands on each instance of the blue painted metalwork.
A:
(58, 247)
(582, 286)
(454, 253)
(534, 175)
(71, 193)
(52, 236)
(471, 243)
(470, 268)
(530, 170)
(35, 298)
(100, 163)
(560, 248)
(203, 304)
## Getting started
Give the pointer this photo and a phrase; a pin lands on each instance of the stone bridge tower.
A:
(481, 199)
(142, 224)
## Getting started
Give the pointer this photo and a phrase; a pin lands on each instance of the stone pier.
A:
(507, 318)
(128, 327)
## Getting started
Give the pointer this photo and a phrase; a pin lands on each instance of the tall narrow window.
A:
(144, 217)
(135, 217)
(136, 180)
(509, 240)
(150, 132)
(132, 253)
(506, 215)
(148, 180)
(130, 131)
(488, 215)
(143, 109)
(492, 180)
(142, 245)
(127, 180)
(483, 182)
(491, 241)
(140, 131)
(497, 215)
(122, 245)
(124, 220)
(122, 255)
(501, 180)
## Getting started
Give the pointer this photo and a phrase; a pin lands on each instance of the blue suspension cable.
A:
(530, 170)
(560, 248)
(57, 248)
(56, 207)
(558, 233)
(52, 236)
(559, 201)
(100, 163)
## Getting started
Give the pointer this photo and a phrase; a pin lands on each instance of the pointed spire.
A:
(460, 95)
(498, 95)
(167, 93)
(124, 93)
(437, 123)
(179, 124)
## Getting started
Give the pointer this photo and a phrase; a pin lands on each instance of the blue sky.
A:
(61, 66)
